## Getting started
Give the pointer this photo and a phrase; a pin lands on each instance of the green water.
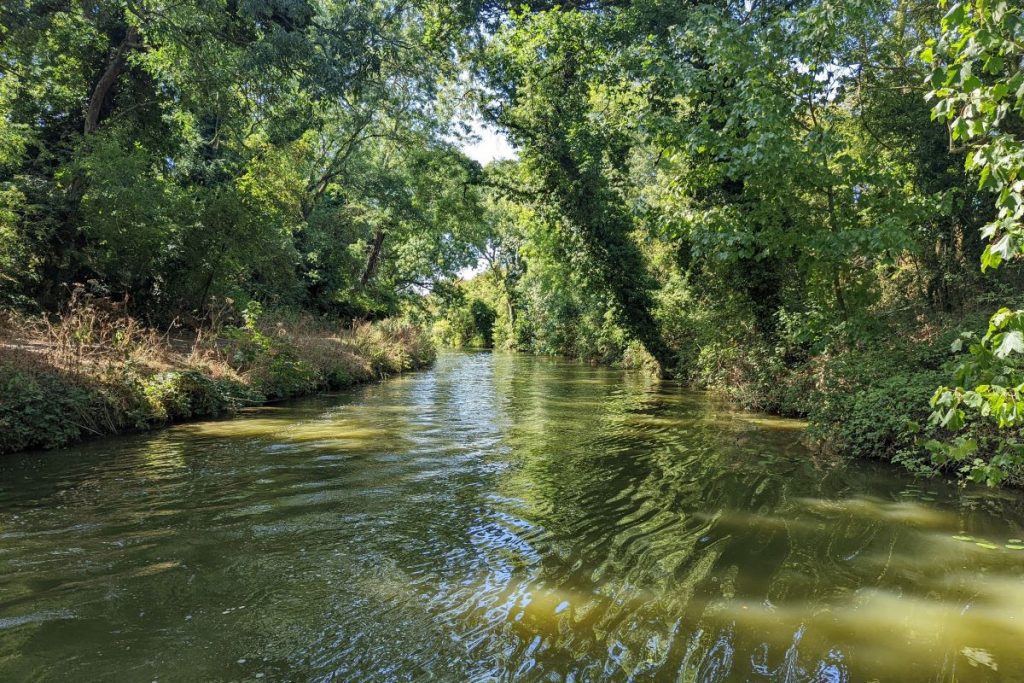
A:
(499, 518)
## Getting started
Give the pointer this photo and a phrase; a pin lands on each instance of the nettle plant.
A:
(978, 89)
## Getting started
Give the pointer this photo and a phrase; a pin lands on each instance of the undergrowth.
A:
(869, 400)
(95, 370)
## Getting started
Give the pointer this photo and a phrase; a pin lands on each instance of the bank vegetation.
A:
(94, 370)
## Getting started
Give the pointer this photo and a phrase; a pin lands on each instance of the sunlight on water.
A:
(500, 518)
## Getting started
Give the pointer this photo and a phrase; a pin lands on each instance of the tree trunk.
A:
(373, 258)
(117, 63)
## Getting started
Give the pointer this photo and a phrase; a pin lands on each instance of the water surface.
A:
(500, 518)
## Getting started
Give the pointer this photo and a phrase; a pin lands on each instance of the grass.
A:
(94, 370)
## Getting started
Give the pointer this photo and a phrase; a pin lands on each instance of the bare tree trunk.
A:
(117, 63)
(373, 258)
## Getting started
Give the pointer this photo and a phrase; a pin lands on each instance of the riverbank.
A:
(96, 371)
(869, 399)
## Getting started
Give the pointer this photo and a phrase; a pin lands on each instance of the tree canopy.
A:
(285, 150)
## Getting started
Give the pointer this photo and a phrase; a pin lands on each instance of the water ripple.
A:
(499, 518)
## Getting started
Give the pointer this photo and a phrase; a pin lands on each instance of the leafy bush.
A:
(985, 405)
(281, 374)
(466, 322)
(877, 419)
(636, 357)
(45, 409)
(393, 347)
(181, 394)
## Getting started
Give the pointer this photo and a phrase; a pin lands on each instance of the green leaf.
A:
(953, 420)
(954, 17)
(964, 449)
(959, 131)
(994, 64)
(1012, 342)
(990, 258)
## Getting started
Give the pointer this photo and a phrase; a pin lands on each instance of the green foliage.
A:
(872, 403)
(184, 394)
(272, 363)
(978, 83)
(978, 89)
(46, 405)
(392, 346)
(466, 324)
(757, 165)
(988, 396)
(44, 409)
(291, 152)
(280, 374)
(41, 407)
(483, 317)
(549, 65)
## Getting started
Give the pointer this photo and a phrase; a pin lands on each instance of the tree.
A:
(546, 65)
(182, 151)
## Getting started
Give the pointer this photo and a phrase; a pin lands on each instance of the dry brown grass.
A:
(94, 369)
(91, 335)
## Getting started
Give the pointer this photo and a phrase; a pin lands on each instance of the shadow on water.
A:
(500, 518)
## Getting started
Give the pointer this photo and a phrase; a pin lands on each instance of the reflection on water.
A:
(500, 518)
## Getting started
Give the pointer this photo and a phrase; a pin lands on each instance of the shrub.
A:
(878, 419)
(182, 394)
(279, 373)
(45, 409)
(636, 357)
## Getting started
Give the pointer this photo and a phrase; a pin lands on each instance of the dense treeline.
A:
(757, 197)
(777, 198)
(294, 152)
